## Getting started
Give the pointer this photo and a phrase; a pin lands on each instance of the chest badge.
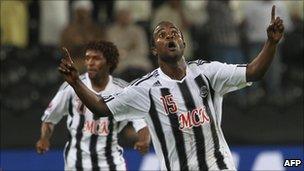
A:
(204, 91)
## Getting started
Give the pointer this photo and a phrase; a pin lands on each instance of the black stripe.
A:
(178, 135)
(71, 108)
(93, 152)
(159, 131)
(198, 132)
(68, 147)
(218, 155)
(212, 97)
(118, 124)
(211, 90)
(144, 79)
(79, 135)
(108, 99)
(138, 81)
(198, 62)
(108, 149)
(71, 111)
(69, 134)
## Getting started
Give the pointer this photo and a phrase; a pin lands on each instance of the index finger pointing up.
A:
(68, 54)
(272, 14)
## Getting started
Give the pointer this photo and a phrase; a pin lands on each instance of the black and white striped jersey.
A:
(183, 116)
(92, 143)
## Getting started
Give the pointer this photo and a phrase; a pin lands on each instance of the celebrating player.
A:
(92, 143)
(181, 102)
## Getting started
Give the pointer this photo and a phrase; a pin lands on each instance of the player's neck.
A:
(175, 71)
(100, 83)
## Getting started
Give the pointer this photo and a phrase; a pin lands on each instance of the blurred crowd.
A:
(33, 32)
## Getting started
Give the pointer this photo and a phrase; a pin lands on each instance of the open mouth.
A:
(172, 45)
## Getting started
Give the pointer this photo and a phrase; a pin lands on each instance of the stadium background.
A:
(262, 133)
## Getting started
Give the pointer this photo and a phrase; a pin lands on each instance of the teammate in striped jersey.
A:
(181, 102)
(92, 143)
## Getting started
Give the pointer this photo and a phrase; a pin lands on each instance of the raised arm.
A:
(89, 99)
(258, 67)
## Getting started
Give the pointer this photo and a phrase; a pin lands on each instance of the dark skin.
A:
(169, 48)
(43, 144)
(99, 71)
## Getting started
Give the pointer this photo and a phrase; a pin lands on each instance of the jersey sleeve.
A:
(138, 124)
(225, 78)
(132, 103)
(58, 107)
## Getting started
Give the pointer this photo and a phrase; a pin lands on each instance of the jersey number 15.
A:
(169, 104)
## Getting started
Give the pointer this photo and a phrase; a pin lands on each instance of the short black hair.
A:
(109, 51)
(152, 42)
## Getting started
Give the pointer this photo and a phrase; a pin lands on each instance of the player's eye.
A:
(162, 35)
(175, 33)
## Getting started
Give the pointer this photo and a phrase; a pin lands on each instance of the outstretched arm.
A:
(43, 144)
(258, 67)
(89, 99)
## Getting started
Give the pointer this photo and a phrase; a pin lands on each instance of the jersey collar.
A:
(89, 83)
(166, 77)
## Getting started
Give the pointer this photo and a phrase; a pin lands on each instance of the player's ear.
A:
(184, 44)
(153, 50)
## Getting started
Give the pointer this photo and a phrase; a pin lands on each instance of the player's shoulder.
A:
(66, 87)
(119, 82)
(199, 62)
(146, 80)
(205, 65)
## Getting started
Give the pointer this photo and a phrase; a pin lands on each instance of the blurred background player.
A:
(93, 142)
(81, 30)
(133, 49)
